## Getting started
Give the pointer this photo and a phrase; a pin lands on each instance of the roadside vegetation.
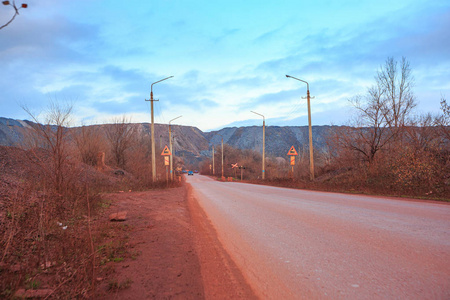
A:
(53, 242)
(385, 148)
(53, 246)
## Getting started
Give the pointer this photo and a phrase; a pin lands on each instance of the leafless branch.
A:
(16, 11)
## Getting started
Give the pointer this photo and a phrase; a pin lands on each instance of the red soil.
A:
(176, 251)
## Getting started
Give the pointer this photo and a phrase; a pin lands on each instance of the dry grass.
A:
(402, 169)
(51, 240)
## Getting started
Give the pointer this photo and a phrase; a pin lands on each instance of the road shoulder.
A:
(166, 249)
(222, 279)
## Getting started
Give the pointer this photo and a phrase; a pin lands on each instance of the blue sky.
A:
(227, 58)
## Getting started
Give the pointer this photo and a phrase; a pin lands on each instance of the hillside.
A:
(278, 139)
(192, 144)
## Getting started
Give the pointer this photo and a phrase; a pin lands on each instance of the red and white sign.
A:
(292, 160)
(292, 151)
(166, 151)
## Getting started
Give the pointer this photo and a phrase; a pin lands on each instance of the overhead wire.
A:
(295, 109)
(158, 107)
(149, 109)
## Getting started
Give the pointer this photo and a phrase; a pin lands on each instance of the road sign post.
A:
(167, 163)
(167, 175)
(235, 167)
(292, 153)
(242, 172)
(166, 153)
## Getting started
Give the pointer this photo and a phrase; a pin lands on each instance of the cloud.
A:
(225, 34)
(35, 55)
(273, 99)
(253, 81)
(48, 42)
(268, 36)
(431, 42)
(225, 60)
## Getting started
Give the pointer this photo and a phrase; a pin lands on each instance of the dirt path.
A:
(174, 250)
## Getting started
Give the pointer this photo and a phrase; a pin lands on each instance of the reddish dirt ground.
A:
(177, 253)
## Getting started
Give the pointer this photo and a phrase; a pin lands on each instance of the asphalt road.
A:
(296, 244)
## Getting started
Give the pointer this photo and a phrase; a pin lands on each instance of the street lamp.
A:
(264, 145)
(311, 159)
(214, 172)
(171, 153)
(153, 130)
(222, 152)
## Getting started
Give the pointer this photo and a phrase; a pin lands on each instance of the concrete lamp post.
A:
(213, 167)
(171, 152)
(153, 129)
(264, 145)
(311, 159)
(222, 151)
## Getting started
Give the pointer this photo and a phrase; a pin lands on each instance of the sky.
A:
(227, 58)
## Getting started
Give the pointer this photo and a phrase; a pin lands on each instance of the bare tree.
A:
(421, 135)
(396, 87)
(89, 144)
(371, 131)
(443, 121)
(16, 11)
(382, 112)
(119, 135)
(53, 136)
(445, 110)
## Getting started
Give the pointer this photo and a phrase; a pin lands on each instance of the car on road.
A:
(190, 173)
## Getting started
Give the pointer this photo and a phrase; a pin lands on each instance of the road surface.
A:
(296, 244)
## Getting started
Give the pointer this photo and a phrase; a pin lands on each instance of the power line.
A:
(295, 109)
(161, 115)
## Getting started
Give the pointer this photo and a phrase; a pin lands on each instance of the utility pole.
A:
(214, 173)
(153, 129)
(242, 172)
(222, 157)
(222, 151)
(311, 158)
(264, 145)
(171, 152)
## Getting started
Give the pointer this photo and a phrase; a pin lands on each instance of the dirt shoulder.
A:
(170, 251)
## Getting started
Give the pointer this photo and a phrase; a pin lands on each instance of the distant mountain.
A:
(278, 139)
(194, 145)
(12, 131)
